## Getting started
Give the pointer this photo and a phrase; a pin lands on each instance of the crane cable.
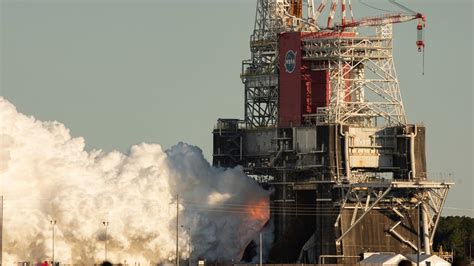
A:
(402, 7)
(423, 62)
(407, 10)
(374, 7)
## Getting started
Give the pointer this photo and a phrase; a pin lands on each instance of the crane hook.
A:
(420, 43)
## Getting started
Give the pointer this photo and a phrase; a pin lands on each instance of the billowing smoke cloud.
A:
(46, 175)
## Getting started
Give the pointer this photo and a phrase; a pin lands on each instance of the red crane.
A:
(391, 19)
(372, 21)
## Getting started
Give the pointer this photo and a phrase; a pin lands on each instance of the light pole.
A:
(261, 249)
(53, 224)
(106, 224)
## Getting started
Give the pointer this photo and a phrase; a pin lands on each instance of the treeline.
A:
(455, 233)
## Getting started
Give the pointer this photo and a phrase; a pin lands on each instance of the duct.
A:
(426, 239)
(412, 152)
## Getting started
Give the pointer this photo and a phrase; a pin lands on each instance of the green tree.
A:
(455, 233)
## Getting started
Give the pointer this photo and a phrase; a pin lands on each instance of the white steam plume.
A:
(45, 174)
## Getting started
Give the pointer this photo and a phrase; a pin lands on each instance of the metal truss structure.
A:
(364, 86)
(363, 82)
(402, 201)
(327, 169)
(260, 73)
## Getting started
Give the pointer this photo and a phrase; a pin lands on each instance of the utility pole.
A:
(177, 229)
(53, 224)
(261, 254)
(106, 224)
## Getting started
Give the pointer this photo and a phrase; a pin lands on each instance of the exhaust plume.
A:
(47, 175)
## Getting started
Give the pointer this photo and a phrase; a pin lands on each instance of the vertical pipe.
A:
(418, 236)
(412, 155)
(426, 238)
(336, 149)
(346, 154)
(412, 151)
(240, 148)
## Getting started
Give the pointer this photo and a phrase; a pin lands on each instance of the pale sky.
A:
(123, 72)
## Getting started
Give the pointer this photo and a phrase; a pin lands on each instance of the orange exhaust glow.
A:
(260, 210)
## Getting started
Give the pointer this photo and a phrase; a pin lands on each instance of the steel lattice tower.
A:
(362, 77)
(260, 74)
(325, 129)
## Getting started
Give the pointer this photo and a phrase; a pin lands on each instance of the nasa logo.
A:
(290, 61)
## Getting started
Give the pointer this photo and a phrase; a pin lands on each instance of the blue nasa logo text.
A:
(290, 61)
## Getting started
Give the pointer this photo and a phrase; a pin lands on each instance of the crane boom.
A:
(293, 17)
(382, 20)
